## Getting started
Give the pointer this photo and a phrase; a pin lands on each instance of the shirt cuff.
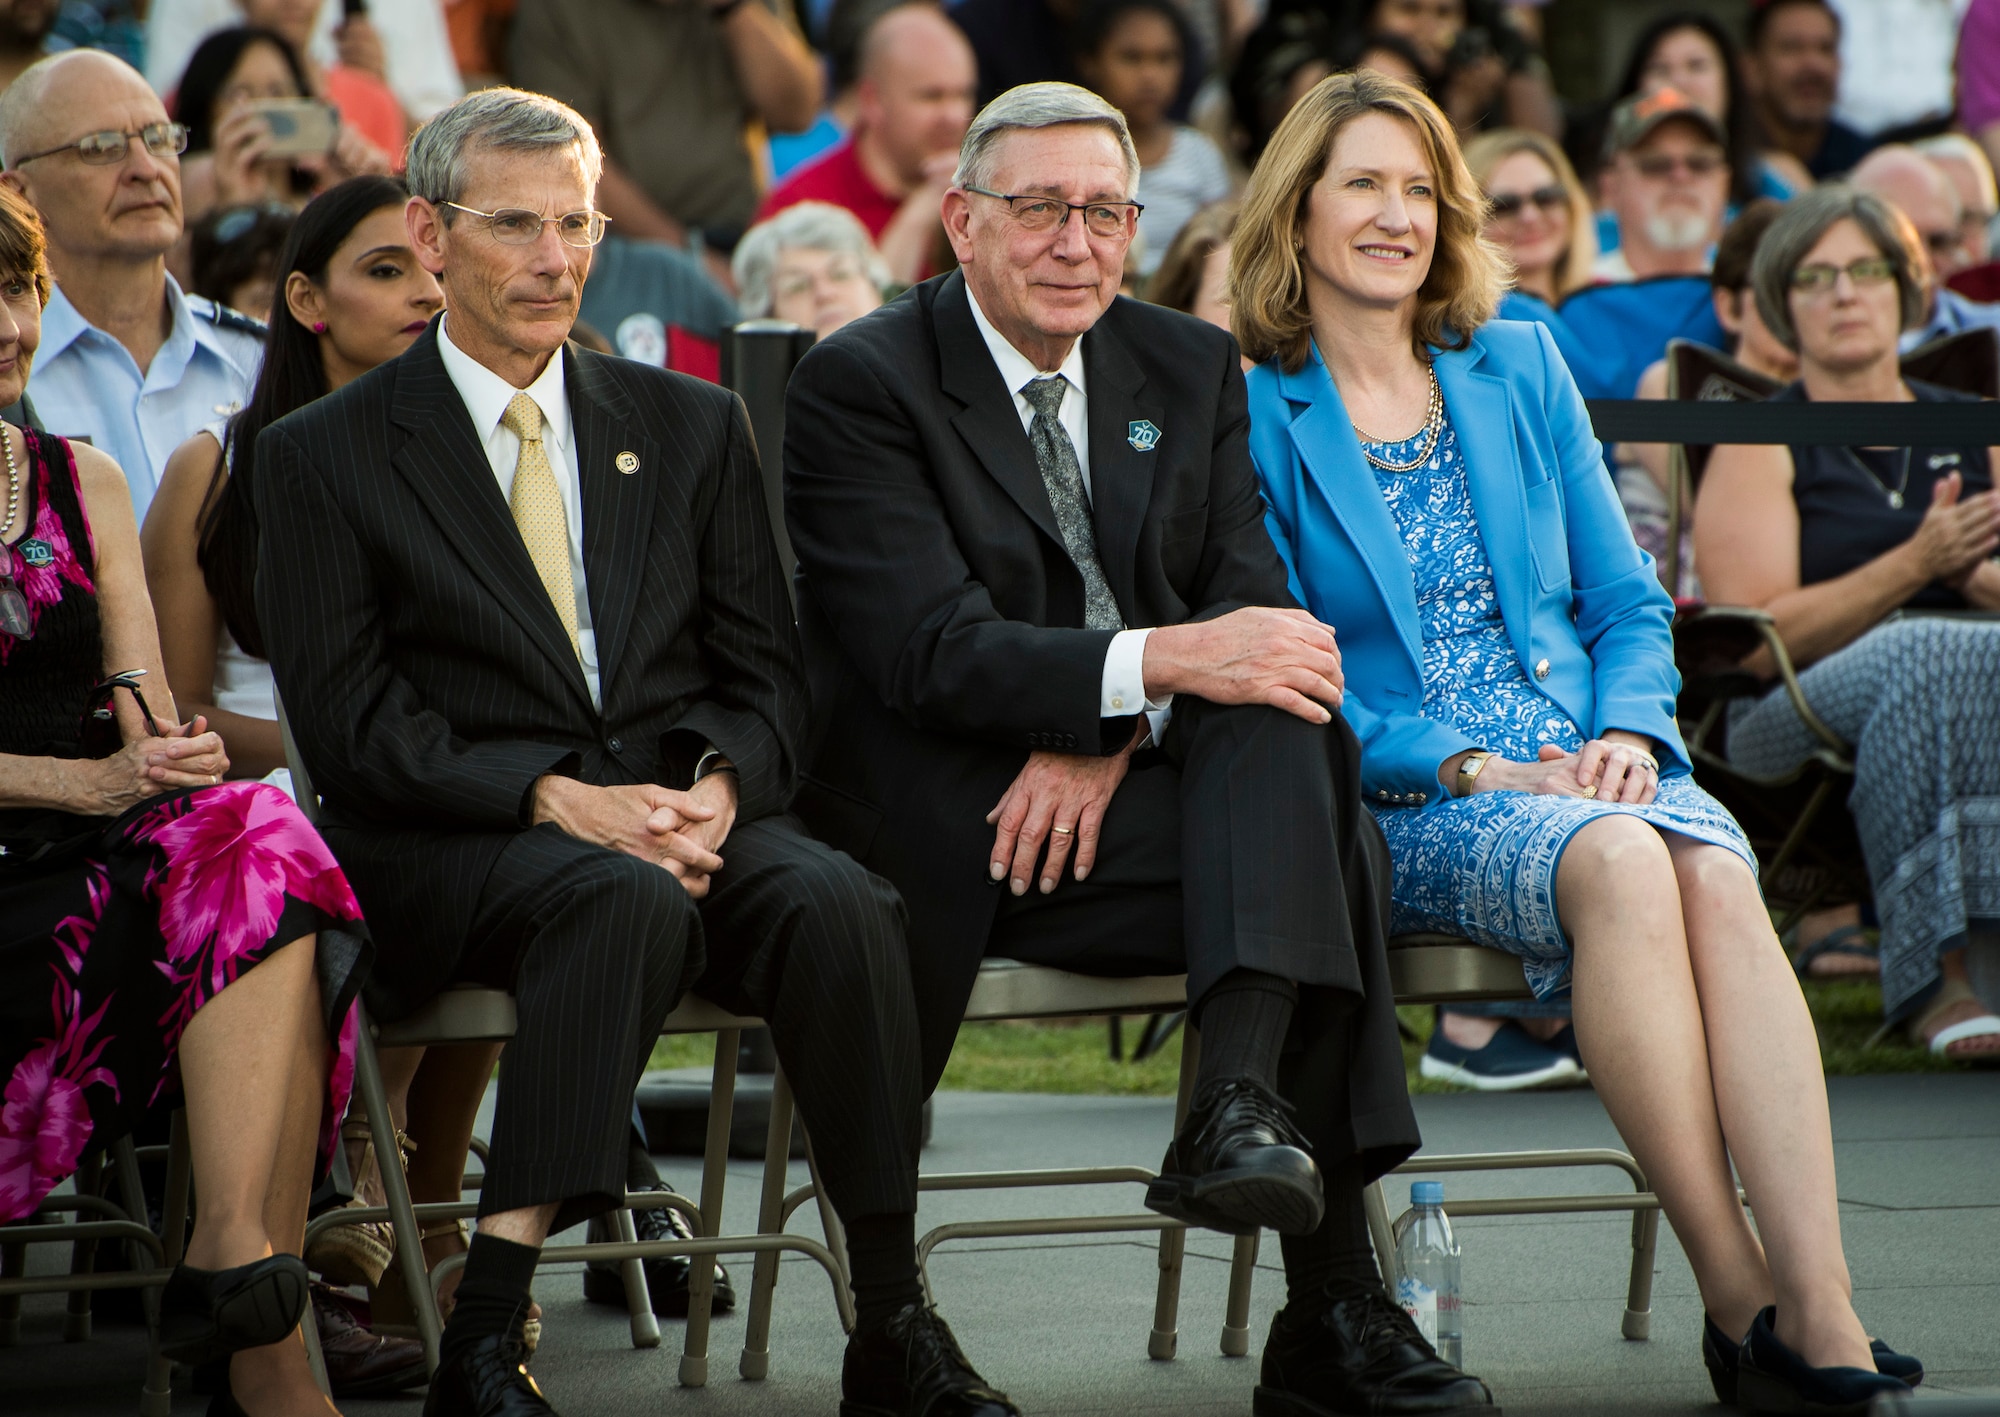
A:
(1124, 689)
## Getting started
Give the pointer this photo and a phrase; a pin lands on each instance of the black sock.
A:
(882, 1261)
(1243, 1022)
(494, 1295)
(1338, 1259)
(640, 1173)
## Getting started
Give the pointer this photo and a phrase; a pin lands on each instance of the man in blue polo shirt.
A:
(127, 361)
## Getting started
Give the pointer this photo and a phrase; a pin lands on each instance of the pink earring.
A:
(319, 327)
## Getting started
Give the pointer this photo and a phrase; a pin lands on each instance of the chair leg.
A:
(132, 1190)
(13, 1258)
(1382, 1233)
(1236, 1321)
(315, 1355)
(1638, 1322)
(83, 1257)
(1165, 1337)
(755, 1363)
(714, 1175)
(638, 1298)
(156, 1398)
(396, 1190)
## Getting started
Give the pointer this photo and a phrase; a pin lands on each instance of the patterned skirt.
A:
(106, 958)
(1485, 866)
(1920, 701)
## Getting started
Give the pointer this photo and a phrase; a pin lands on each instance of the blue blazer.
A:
(1583, 605)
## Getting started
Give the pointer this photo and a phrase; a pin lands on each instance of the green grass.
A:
(1073, 1057)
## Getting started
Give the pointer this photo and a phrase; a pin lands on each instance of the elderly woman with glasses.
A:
(1861, 555)
(1435, 488)
(813, 264)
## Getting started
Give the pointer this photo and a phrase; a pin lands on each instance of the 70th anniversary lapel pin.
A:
(1143, 434)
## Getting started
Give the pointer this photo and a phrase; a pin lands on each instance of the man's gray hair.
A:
(1046, 105)
(1799, 227)
(496, 120)
(809, 226)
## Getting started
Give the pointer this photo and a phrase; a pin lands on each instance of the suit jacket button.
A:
(1542, 669)
(616, 745)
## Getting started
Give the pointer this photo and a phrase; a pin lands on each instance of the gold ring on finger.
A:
(1590, 791)
(1062, 831)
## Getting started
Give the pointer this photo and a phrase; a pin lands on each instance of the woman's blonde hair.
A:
(1267, 284)
(1488, 150)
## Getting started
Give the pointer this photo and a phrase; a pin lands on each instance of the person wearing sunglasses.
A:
(1833, 543)
(128, 362)
(1920, 189)
(166, 937)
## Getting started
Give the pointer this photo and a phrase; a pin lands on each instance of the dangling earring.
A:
(319, 327)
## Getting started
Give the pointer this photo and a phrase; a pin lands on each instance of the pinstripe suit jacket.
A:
(427, 676)
(942, 616)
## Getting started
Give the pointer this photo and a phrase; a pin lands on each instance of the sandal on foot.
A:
(1951, 994)
(360, 1252)
(1844, 942)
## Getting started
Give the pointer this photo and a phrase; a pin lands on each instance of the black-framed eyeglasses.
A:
(1045, 214)
(98, 735)
(109, 147)
(517, 226)
(1551, 198)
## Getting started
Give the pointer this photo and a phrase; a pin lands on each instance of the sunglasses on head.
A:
(1511, 204)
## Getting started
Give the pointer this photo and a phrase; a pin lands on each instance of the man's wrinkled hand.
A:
(1058, 798)
(623, 819)
(1284, 658)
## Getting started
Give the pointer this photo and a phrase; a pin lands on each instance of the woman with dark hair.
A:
(164, 935)
(1482, 71)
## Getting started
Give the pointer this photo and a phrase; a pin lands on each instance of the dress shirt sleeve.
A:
(1125, 683)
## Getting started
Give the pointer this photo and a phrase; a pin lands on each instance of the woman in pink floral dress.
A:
(164, 935)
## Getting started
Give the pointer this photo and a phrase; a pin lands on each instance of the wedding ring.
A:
(1062, 831)
(1590, 791)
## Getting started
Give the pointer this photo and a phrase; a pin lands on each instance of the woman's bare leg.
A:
(1770, 1092)
(1639, 1027)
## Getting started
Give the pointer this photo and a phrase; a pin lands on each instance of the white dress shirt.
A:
(486, 397)
(1124, 684)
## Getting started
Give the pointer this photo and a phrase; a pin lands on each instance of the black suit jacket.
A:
(428, 679)
(942, 617)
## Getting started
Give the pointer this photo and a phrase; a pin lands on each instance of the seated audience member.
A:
(1194, 275)
(1666, 178)
(1832, 542)
(1641, 469)
(912, 100)
(1385, 53)
(227, 162)
(1526, 769)
(1538, 215)
(1132, 53)
(1791, 67)
(1919, 189)
(812, 264)
(24, 36)
(366, 103)
(539, 718)
(1484, 71)
(1034, 41)
(659, 305)
(1032, 572)
(1288, 52)
(128, 363)
(235, 251)
(1965, 163)
(202, 940)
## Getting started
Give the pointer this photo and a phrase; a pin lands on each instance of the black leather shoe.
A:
(910, 1366)
(1239, 1166)
(488, 1379)
(1361, 1354)
(207, 1314)
(1772, 1378)
(666, 1278)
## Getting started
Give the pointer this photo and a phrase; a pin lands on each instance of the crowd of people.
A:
(369, 357)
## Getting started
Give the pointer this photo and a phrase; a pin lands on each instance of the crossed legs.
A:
(1700, 1044)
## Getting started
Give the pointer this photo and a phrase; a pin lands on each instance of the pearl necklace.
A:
(1433, 426)
(13, 483)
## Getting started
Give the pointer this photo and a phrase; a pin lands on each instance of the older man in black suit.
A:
(1066, 704)
(523, 606)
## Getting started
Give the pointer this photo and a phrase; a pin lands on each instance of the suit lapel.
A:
(617, 505)
(1121, 475)
(989, 422)
(1482, 414)
(1327, 444)
(446, 467)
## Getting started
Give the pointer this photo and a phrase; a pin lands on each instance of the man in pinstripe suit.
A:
(524, 608)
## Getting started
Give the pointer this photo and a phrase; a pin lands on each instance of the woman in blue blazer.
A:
(1435, 488)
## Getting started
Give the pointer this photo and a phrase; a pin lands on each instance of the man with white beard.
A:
(1666, 180)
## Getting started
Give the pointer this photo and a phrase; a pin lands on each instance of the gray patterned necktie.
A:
(1063, 477)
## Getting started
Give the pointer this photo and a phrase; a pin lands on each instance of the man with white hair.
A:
(1068, 706)
(1965, 163)
(1920, 190)
(128, 362)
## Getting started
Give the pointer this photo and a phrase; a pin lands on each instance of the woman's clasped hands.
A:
(1615, 768)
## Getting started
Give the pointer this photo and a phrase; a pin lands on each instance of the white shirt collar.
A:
(1015, 367)
(487, 395)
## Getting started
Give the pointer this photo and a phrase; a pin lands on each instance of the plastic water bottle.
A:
(1427, 1272)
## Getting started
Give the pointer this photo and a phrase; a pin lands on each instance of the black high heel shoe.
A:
(1772, 1378)
(208, 1314)
(1719, 1355)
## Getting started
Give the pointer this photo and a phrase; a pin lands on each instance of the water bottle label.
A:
(1420, 1302)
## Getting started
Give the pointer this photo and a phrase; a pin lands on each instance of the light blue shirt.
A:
(1952, 314)
(87, 386)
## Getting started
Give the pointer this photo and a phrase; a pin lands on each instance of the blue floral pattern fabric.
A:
(1485, 866)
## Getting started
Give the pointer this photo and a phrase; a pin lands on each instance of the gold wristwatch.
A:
(1468, 769)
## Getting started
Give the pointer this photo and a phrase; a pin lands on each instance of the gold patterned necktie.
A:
(537, 505)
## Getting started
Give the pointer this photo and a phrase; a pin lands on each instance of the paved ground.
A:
(1062, 1325)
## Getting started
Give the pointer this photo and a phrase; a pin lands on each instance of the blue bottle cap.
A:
(1426, 1193)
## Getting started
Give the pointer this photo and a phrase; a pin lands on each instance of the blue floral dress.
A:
(1485, 866)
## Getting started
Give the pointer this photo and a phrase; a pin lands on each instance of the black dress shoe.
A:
(910, 1366)
(666, 1277)
(207, 1314)
(1772, 1378)
(486, 1379)
(1361, 1354)
(1239, 1166)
